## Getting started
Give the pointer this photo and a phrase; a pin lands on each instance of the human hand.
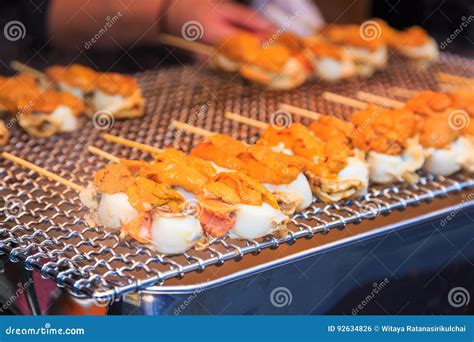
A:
(218, 19)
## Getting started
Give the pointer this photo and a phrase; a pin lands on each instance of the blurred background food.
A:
(123, 35)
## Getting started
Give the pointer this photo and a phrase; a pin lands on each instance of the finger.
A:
(246, 18)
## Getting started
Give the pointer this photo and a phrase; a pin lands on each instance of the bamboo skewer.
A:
(23, 68)
(184, 44)
(454, 79)
(380, 100)
(103, 154)
(403, 92)
(41, 171)
(300, 111)
(344, 100)
(191, 129)
(131, 143)
(246, 121)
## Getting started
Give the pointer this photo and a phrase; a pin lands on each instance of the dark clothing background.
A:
(440, 17)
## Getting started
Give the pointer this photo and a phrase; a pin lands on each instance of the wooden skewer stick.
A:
(450, 78)
(184, 44)
(380, 100)
(41, 171)
(103, 154)
(300, 111)
(403, 92)
(246, 121)
(344, 100)
(191, 129)
(23, 68)
(131, 143)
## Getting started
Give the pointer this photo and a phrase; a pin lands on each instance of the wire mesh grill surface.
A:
(42, 223)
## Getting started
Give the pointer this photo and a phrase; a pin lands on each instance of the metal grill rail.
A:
(42, 223)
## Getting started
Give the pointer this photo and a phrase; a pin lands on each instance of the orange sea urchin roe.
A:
(436, 132)
(75, 75)
(323, 49)
(141, 191)
(237, 188)
(350, 35)
(116, 84)
(463, 99)
(18, 93)
(272, 58)
(240, 47)
(426, 102)
(383, 130)
(413, 36)
(258, 162)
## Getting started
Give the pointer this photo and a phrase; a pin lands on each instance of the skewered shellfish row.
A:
(280, 174)
(112, 92)
(41, 113)
(446, 129)
(445, 151)
(139, 200)
(335, 170)
(368, 54)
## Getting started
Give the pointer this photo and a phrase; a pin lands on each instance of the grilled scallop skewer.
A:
(389, 137)
(368, 54)
(323, 60)
(281, 175)
(446, 129)
(413, 43)
(273, 66)
(148, 211)
(334, 169)
(227, 203)
(112, 92)
(41, 113)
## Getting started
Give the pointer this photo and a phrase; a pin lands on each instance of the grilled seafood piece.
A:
(234, 51)
(335, 170)
(369, 54)
(41, 113)
(413, 43)
(275, 67)
(389, 138)
(279, 173)
(116, 93)
(446, 130)
(323, 60)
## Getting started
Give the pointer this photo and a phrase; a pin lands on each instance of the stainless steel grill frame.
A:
(42, 223)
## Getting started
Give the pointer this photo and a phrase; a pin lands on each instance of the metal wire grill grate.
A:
(42, 223)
